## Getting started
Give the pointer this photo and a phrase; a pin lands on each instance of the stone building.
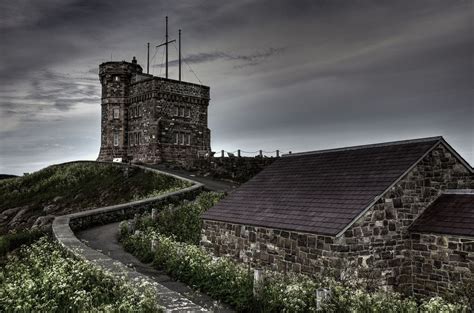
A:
(151, 119)
(402, 209)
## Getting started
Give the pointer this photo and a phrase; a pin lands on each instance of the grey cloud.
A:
(242, 59)
(350, 72)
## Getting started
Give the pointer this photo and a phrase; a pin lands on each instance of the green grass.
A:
(73, 187)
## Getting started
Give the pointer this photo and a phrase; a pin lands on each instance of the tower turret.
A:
(115, 78)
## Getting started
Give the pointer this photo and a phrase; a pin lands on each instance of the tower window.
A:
(176, 138)
(116, 113)
(116, 139)
(188, 112)
(181, 111)
(182, 139)
(117, 78)
(188, 139)
(176, 110)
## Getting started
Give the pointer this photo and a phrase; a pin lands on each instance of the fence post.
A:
(131, 227)
(154, 214)
(222, 153)
(278, 153)
(238, 153)
(322, 294)
(260, 152)
(257, 282)
(154, 245)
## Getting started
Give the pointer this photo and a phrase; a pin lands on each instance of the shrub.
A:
(220, 278)
(14, 240)
(183, 222)
(43, 278)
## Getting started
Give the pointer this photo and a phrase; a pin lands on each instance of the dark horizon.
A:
(299, 76)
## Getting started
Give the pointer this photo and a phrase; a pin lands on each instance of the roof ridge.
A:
(359, 147)
(458, 192)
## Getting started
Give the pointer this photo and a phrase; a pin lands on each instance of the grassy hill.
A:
(66, 188)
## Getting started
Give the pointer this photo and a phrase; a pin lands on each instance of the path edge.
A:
(63, 232)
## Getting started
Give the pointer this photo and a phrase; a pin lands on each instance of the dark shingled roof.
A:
(451, 214)
(320, 192)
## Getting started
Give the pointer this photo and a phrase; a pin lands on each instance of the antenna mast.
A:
(166, 44)
(166, 39)
(179, 52)
(148, 58)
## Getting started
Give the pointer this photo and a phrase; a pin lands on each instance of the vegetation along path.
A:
(104, 238)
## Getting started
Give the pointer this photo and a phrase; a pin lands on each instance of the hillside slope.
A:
(72, 187)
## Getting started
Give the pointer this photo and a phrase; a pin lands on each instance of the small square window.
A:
(116, 114)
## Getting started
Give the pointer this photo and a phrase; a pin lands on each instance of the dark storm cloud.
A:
(242, 60)
(297, 75)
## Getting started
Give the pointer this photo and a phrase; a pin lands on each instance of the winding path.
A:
(104, 239)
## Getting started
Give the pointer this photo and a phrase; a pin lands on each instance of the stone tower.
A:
(151, 119)
(115, 78)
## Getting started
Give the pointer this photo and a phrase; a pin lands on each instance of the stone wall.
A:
(378, 240)
(272, 248)
(440, 263)
(120, 212)
(238, 169)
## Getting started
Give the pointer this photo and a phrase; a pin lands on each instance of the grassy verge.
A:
(68, 188)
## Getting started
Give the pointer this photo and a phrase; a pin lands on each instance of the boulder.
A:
(43, 223)
(49, 208)
(17, 219)
(10, 212)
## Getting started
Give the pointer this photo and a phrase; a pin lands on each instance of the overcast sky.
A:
(287, 75)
